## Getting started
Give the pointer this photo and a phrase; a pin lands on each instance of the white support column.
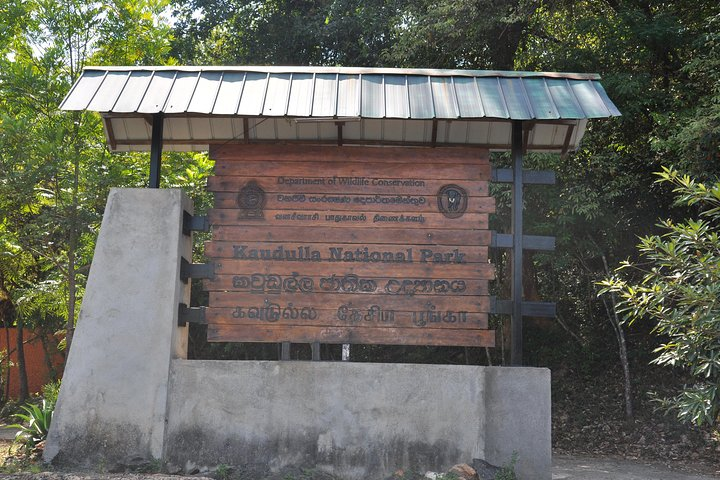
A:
(112, 406)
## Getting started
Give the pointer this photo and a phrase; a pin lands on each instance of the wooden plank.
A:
(408, 204)
(344, 154)
(334, 253)
(311, 218)
(351, 335)
(333, 301)
(362, 172)
(350, 235)
(369, 318)
(471, 270)
(325, 185)
(278, 284)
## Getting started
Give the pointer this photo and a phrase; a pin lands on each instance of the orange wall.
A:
(35, 364)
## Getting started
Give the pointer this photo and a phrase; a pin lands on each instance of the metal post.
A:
(517, 251)
(315, 351)
(156, 150)
(285, 351)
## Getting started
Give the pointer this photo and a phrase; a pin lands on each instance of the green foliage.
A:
(55, 169)
(507, 471)
(677, 287)
(35, 423)
(223, 471)
(50, 392)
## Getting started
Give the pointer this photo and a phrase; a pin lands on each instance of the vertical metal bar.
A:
(517, 251)
(156, 150)
(285, 351)
(315, 349)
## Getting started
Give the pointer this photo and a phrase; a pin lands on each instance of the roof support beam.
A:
(156, 150)
(340, 126)
(516, 329)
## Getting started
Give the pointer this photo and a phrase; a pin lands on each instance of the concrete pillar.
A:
(112, 406)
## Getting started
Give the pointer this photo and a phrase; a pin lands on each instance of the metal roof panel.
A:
(253, 94)
(156, 94)
(348, 96)
(397, 102)
(83, 91)
(206, 92)
(564, 99)
(301, 95)
(606, 100)
(515, 98)
(182, 91)
(540, 99)
(372, 96)
(420, 92)
(108, 92)
(589, 99)
(229, 92)
(468, 98)
(325, 95)
(444, 100)
(492, 97)
(133, 92)
(276, 100)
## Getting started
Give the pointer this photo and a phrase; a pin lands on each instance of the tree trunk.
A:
(622, 349)
(72, 248)
(7, 359)
(72, 293)
(22, 372)
(7, 314)
(48, 356)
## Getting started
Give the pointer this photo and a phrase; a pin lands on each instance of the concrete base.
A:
(113, 399)
(358, 420)
(128, 396)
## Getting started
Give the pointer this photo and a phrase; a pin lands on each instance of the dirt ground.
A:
(564, 468)
(609, 468)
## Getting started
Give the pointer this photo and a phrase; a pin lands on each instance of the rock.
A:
(484, 470)
(173, 469)
(432, 475)
(464, 471)
(191, 468)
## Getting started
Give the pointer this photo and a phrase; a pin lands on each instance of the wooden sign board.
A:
(350, 245)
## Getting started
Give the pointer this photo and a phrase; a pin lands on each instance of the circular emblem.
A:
(452, 200)
(251, 200)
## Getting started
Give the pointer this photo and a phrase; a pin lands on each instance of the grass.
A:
(14, 460)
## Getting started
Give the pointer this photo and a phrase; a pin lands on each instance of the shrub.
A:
(34, 425)
(679, 289)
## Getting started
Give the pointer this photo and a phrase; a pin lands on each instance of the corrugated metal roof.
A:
(363, 94)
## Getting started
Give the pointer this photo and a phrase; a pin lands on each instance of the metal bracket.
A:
(191, 315)
(530, 242)
(529, 177)
(529, 309)
(195, 270)
(194, 223)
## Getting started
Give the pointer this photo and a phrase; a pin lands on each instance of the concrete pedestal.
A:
(113, 399)
(358, 420)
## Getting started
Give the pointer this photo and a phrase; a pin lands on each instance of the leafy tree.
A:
(678, 290)
(471, 34)
(55, 166)
(284, 32)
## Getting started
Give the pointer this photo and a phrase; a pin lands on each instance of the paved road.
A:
(588, 468)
